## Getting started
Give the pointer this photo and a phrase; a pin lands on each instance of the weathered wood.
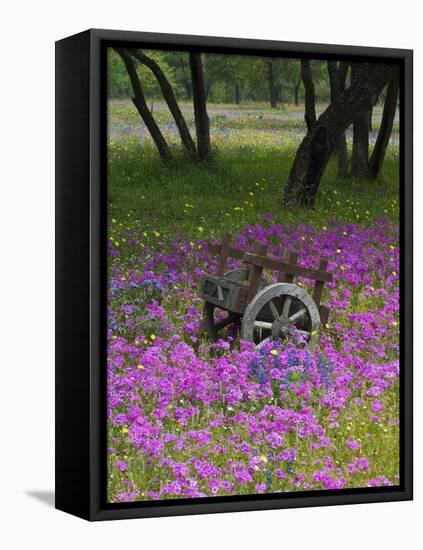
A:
(285, 276)
(240, 292)
(306, 318)
(212, 326)
(223, 255)
(318, 287)
(231, 295)
(280, 265)
(324, 315)
(256, 270)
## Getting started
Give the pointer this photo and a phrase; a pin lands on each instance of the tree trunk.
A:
(140, 103)
(360, 148)
(316, 148)
(188, 90)
(337, 85)
(237, 94)
(297, 93)
(371, 120)
(169, 97)
(342, 74)
(271, 84)
(385, 129)
(310, 100)
(207, 91)
(202, 123)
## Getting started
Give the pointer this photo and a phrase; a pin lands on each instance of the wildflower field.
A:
(191, 418)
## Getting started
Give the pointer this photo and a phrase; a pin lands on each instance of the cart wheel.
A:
(277, 309)
(216, 319)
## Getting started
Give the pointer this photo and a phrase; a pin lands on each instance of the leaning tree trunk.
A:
(360, 147)
(271, 83)
(310, 100)
(140, 103)
(337, 85)
(202, 123)
(385, 129)
(169, 97)
(316, 148)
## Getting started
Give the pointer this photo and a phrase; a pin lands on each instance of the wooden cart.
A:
(263, 310)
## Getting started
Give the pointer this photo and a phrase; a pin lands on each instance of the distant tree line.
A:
(227, 78)
(352, 90)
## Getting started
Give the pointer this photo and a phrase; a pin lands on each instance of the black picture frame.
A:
(81, 275)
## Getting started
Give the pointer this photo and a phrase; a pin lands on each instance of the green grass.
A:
(242, 185)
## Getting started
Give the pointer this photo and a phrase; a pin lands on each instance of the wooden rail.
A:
(257, 261)
(280, 265)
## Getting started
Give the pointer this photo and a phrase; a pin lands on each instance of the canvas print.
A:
(253, 274)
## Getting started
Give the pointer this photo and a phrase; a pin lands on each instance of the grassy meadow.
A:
(254, 150)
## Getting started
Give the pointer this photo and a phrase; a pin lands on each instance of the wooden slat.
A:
(324, 314)
(280, 265)
(255, 271)
(318, 287)
(223, 255)
(285, 276)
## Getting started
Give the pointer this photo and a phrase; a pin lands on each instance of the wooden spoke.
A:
(273, 309)
(298, 315)
(286, 306)
(262, 325)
